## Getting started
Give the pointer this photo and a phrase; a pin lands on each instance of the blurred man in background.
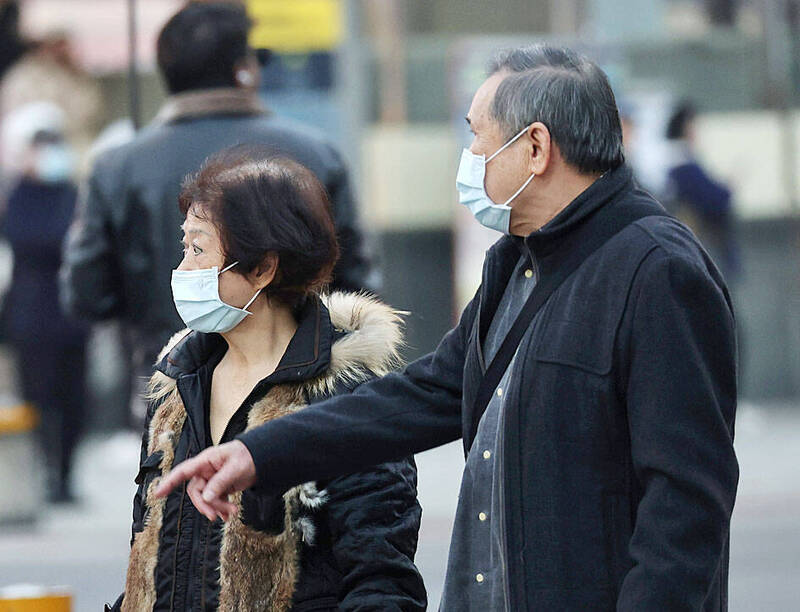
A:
(50, 349)
(125, 237)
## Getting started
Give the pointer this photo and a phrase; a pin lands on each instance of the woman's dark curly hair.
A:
(263, 204)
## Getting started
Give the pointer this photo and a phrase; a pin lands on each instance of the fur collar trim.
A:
(371, 344)
(260, 570)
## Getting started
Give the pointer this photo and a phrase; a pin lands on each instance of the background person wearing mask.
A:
(125, 238)
(591, 378)
(50, 70)
(50, 349)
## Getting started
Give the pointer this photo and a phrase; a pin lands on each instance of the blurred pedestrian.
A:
(259, 244)
(50, 349)
(591, 378)
(12, 45)
(125, 238)
(700, 201)
(50, 71)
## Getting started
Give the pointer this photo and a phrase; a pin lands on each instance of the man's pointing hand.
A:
(213, 475)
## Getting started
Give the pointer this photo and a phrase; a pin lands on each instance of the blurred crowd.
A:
(124, 239)
(51, 111)
(121, 205)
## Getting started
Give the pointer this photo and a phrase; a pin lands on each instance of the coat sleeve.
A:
(386, 419)
(90, 274)
(374, 518)
(681, 401)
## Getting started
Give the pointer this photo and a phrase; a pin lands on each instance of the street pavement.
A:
(85, 547)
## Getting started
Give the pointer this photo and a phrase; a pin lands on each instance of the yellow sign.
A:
(296, 26)
(19, 418)
(45, 603)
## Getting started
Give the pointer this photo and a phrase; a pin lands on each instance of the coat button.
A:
(482, 516)
(487, 454)
(479, 578)
(529, 273)
(499, 392)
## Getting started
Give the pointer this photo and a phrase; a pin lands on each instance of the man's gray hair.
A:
(569, 94)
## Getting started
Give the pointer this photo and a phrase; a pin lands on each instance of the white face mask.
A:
(472, 190)
(55, 163)
(196, 296)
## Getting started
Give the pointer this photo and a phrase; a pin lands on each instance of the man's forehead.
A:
(482, 100)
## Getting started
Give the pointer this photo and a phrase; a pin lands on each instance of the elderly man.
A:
(592, 377)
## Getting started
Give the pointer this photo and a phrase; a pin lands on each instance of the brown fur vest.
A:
(258, 571)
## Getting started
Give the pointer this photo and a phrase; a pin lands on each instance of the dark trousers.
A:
(53, 378)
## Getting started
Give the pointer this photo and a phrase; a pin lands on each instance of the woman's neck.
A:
(260, 340)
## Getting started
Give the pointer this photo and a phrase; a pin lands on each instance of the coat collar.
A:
(307, 355)
(341, 338)
(207, 102)
(548, 239)
(548, 243)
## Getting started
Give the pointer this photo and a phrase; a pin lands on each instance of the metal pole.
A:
(133, 72)
(351, 86)
(779, 47)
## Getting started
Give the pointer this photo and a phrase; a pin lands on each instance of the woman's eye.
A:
(197, 250)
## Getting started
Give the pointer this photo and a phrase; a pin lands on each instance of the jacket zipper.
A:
(205, 565)
(177, 541)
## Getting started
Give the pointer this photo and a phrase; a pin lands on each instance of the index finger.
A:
(184, 471)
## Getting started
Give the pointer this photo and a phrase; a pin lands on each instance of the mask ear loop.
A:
(252, 299)
(519, 191)
(508, 144)
(227, 268)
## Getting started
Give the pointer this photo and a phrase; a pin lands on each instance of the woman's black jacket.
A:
(356, 535)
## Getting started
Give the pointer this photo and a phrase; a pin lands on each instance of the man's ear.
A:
(265, 272)
(541, 144)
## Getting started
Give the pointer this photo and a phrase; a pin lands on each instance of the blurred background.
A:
(716, 82)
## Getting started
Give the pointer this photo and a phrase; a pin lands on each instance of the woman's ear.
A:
(265, 272)
(541, 147)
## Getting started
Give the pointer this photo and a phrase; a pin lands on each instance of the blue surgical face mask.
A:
(196, 296)
(55, 163)
(472, 191)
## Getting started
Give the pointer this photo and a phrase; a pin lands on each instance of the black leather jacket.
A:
(125, 239)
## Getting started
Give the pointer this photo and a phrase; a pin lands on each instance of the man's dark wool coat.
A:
(620, 471)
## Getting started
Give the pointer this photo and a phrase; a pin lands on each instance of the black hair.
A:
(569, 94)
(199, 46)
(679, 121)
(262, 204)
